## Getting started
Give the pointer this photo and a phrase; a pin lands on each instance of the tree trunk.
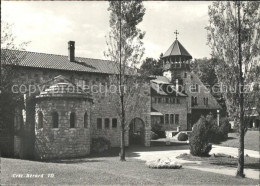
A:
(122, 145)
(240, 166)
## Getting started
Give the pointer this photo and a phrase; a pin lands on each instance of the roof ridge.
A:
(55, 54)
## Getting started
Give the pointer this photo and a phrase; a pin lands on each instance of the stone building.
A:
(54, 122)
(186, 99)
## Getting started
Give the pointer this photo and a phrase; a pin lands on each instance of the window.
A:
(99, 123)
(192, 101)
(107, 123)
(114, 123)
(167, 100)
(173, 100)
(176, 119)
(206, 101)
(40, 120)
(195, 101)
(166, 118)
(178, 100)
(154, 100)
(171, 119)
(72, 120)
(185, 74)
(161, 119)
(159, 100)
(197, 88)
(55, 120)
(86, 120)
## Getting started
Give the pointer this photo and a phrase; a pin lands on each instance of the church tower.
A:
(176, 63)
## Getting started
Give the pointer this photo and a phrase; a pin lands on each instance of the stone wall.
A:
(62, 142)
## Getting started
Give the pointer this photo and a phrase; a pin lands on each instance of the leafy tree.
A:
(151, 66)
(205, 69)
(125, 48)
(8, 100)
(233, 35)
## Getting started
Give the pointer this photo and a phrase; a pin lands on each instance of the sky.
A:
(49, 25)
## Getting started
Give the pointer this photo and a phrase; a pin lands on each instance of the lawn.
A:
(223, 160)
(107, 171)
(252, 140)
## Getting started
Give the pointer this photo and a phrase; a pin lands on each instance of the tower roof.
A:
(176, 49)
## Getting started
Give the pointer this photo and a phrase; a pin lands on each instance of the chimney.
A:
(71, 50)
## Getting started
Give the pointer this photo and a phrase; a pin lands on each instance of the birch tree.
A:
(125, 50)
(233, 35)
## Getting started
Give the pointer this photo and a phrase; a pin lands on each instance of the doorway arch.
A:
(136, 132)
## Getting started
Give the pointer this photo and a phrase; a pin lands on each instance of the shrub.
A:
(100, 145)
(225, 127)
(154, 136)
(182, 136)
(216, 133)
(157, 129)
(199, 138)
(163, 164)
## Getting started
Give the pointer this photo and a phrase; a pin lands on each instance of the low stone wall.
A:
(62, 143)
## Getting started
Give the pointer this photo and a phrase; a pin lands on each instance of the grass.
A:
(108, 171)
(252, 140)
(223, 160)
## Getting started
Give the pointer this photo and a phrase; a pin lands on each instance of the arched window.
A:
(195, 101)
(86, 120)
(40, 119)
(72, 120)
(192, 101)
(55, 120)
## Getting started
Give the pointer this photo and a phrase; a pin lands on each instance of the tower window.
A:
(72, 120)
(185, 74)
(55, 120)
(40, 120)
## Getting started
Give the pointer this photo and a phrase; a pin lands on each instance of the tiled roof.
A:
(176, 49)
(61, 62)
(161, 88)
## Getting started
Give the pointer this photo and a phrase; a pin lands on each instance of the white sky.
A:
(50, 25)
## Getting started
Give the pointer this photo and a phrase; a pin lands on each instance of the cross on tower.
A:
(176, 32)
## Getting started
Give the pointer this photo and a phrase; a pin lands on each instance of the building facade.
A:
(182, 104)
(61, 124)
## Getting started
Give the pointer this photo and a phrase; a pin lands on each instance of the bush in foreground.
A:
(199, 138)
(163, 164)
(100, 145)
(219, 133)
(182, 137)
(154, 136)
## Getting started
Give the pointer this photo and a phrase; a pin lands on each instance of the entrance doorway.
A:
(136, 132)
